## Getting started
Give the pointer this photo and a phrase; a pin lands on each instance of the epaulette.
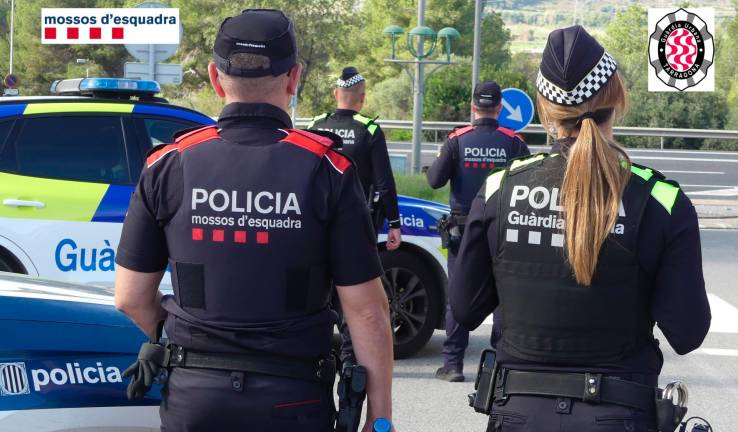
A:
(319, 145)
(509, 132)
(460, 130)
(182, 143)
(526, 161)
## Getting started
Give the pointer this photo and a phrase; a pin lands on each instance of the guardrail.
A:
(538, 129)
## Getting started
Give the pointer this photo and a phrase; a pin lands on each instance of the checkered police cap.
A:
(574, 67)
(350, 76)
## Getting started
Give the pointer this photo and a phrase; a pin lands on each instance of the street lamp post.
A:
(417, 38)
(12, 30)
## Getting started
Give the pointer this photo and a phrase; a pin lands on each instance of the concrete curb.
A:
(717, 214)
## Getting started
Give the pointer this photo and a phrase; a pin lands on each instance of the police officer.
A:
(465, 159)
(364, 142)
(255, 220)
(583, 251)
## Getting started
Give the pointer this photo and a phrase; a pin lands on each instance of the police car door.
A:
(64, 191)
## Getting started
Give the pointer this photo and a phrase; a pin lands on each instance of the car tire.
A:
(415, 298)
(9, 263)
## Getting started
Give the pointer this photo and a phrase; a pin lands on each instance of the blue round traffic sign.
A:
(517, 109)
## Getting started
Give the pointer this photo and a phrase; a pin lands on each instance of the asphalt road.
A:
(422, 403)
(702, 174)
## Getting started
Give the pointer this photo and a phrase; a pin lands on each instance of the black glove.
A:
(153, 359)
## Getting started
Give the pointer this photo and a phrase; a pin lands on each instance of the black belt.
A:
(593, 388)
(323, 370)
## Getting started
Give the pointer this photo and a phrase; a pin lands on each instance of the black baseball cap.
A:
(487, 94)
(574, 67)
(267, 32)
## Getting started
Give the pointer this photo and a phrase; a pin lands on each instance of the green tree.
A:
(626, 38)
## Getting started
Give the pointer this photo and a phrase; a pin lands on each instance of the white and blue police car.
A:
(69, 164)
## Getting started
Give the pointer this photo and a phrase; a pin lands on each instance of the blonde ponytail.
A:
(591, 193)
(597, 171)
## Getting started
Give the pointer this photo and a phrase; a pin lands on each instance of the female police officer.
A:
(587, 252)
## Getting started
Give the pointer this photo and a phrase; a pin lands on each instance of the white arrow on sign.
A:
(515, 114)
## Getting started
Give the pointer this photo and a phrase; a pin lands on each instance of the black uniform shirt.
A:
(670, 265)
(366, 145)
(265, 257)
(467, 157)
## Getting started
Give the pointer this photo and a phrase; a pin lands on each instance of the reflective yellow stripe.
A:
(666, 194)
(70, 107)
(644, 173)
(443, 252)
(366, 121)
(312, 122)
(493, 184)
(63, 200)
(519, 163)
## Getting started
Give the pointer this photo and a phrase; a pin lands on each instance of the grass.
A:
(417, 186)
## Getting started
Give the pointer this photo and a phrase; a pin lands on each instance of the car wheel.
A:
(9, 264)
(414, 298)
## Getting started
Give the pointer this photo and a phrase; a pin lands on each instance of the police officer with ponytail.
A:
(583, 251)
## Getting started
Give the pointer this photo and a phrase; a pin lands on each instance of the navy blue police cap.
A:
(266, 32)
(350, 76)
(574, 67)
(487, 94)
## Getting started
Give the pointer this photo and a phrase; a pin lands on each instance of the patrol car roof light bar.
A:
(106, 87)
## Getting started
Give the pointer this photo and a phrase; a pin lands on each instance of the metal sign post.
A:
(150, 56)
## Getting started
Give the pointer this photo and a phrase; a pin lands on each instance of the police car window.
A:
(162, 131)
(7, 156)
(87, 148)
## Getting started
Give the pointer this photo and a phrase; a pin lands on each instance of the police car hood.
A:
(404, 200)
(38, 314)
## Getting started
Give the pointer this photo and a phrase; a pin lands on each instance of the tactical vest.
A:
(547, 316)
(356, 133)
(478, 154)
(248, 248)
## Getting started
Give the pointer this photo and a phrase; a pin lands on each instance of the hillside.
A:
(530, 21)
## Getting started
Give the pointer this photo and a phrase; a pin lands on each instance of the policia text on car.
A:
(577, 348)
(249, 324)
(465, 160)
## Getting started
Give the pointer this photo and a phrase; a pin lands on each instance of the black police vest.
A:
(547, 316)
(356, 133)
(480, 150)
(248, 246)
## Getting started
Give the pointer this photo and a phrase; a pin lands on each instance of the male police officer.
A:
(254, 220)
(364, 142)
(466, 159)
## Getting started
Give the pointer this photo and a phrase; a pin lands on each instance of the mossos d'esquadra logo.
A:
(13, 379)
(681, 50)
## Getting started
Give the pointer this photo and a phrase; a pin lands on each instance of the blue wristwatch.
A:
(382, 425)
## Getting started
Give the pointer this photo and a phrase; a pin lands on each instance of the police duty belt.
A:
(587, 387)
(321, 370)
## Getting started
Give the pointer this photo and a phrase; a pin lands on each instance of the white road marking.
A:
(708, 186)
(685, 159)
(718, 352)
(694, 172)
(724, 315)
(720, 192)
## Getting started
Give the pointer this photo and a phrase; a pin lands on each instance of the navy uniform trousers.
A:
(202, 400)
(457, 338)
(549, 414)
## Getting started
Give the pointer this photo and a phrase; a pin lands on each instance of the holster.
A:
(351, 395)
(484, 385)
(451, 227)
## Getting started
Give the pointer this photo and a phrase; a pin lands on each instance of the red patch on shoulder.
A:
(461, 131)
(184, 142)
(506, 131)
(339, 161)
(314, 143)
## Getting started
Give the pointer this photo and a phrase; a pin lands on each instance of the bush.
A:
(417, 186)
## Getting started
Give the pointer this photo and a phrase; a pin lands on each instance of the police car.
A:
(64, 349)
(69, 164)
